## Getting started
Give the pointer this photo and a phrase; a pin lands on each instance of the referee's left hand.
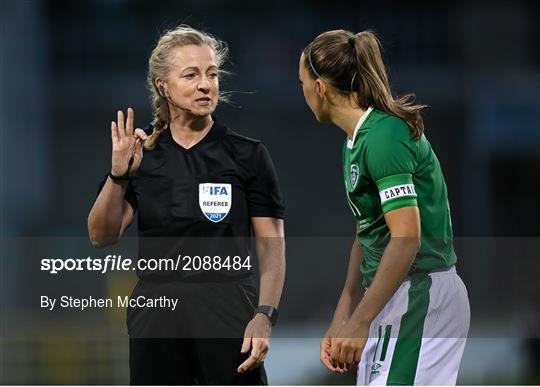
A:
(256, 336)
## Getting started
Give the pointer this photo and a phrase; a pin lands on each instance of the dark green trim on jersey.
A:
(407, 350)
(386, 341)
(377, 345)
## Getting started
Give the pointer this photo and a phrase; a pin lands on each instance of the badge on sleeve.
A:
(215, 200)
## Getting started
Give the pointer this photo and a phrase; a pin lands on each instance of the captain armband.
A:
(397, 191)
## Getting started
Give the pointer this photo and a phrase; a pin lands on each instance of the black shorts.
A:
(189, 362)
(199, 341)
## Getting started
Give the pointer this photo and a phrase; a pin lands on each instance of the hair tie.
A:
(351, 41)
(352, 80)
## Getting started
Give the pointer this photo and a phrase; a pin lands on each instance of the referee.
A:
(202, 192)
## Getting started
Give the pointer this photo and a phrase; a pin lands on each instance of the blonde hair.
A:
(159, 66)
(353, 63)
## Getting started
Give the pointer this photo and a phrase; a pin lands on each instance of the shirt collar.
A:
(216, 130)
(350, 142)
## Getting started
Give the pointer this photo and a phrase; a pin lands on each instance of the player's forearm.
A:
(346, 305)
(352, 291)
(271, 258)
(105, 218)
(395, 264)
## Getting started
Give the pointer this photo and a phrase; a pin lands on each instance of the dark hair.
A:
(353, 63)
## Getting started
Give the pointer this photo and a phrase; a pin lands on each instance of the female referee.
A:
(410, 325)
(201, 191)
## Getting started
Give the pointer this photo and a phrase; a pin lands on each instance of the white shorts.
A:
(419, 336)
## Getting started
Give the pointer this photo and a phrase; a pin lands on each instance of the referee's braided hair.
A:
(160, 63)
(352, 63)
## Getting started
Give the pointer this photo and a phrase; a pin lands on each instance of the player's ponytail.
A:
(159, 66)
(352, 63)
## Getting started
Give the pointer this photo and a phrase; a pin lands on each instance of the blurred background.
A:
(67, 67)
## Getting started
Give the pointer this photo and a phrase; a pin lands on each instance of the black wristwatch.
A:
(119, 178)
(125, 176)
(269, 311)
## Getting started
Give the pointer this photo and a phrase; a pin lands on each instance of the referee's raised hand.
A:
(126, 142)
(256, 337)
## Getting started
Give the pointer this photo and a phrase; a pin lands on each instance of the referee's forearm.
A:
(105, 218)
(271, 258)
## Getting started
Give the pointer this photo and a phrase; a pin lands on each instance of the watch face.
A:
(269, 311)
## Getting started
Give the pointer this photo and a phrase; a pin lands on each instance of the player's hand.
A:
(347, 346)
(325, 353)
(326, 347)
(125, 142)
(256, 337)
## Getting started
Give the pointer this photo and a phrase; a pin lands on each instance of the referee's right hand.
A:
(125, 143)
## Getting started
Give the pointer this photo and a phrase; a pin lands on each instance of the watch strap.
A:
(269, 311)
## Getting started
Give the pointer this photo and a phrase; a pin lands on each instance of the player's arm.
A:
(391, 161)
(352, 290)
(270, 245)
(350, 297)
(404, 225)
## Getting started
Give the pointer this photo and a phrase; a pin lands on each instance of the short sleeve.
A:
(129, 196)
(391, 163)
(263, 193)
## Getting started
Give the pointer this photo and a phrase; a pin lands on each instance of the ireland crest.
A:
(355, 171)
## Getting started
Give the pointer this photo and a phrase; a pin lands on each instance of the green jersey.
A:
(384, 169)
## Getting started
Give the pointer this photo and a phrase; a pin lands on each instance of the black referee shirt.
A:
(199, 201)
